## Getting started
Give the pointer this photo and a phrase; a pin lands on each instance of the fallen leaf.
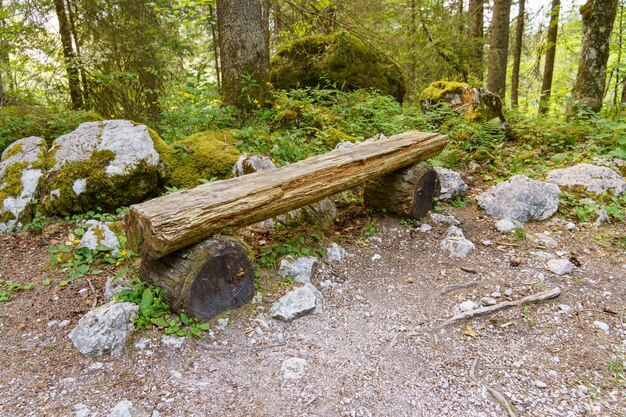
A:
(469, 331)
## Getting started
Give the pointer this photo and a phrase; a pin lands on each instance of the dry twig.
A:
(500, 399)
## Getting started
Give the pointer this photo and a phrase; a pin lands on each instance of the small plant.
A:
(408, 222)
(287, 281)
(519, 233)
(616, 368)
(98, 214)
(370, 230)
(36, 224)
(9, 289)
(458, 202)
(300, 245)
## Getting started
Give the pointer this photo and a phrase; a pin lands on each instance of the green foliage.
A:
(586, 207)
(339, 60)
(36, 224)
(370, 230)
(18, 122)
(98, 214)
(285, 243)
(9, 289)
(153, 311)
(519, 233)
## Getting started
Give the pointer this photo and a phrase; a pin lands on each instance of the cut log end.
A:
(408, 192)
(204, 279)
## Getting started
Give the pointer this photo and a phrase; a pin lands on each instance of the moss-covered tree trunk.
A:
(598, 17)
(499, 47)
(244, 52)
(69, 55)
(548, 71)
(476, 11)
(517, 52)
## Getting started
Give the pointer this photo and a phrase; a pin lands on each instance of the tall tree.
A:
(598, 17)
(517, 52)
(244, 51)
(499, 47)
(548, 69)
(4, 56)
(69, 55)
(476, 18)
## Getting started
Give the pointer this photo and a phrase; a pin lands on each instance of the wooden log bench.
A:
(204, 274)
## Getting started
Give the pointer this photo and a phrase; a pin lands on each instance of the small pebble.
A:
(540, 384)
(508, 292)
(570, 226)
(488, 301)
(376, 257)
(467, 305)
(602, 326)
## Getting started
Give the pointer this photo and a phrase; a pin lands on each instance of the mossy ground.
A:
(340, 60)
(439, 89)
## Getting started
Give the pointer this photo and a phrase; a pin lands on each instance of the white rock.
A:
(254, 163)
(104, 329)
(565, 309)
(468, 305)
(602, 326)
(81, 410)
(173, 341)
(592, 178)
(79, 186)
(508, 292)
(488, 301)
(570, 226)
(376, 257)
(545, 240)
(425, 228)
(300, 269)
(486, 243)
(445, 219)
(540, 384)
(507, 225)
(335, 253)
(603, 216)
(452, 185)
(142, 344)
(222, 323)
(297, 303)
(521, 198)
(64, 323)
(99, 234)
(294, 368)
(560, 266)
(124, 408)
(114, 286)
(455, 243)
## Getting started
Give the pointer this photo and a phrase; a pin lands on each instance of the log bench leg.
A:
(204, 279)
(408, 192)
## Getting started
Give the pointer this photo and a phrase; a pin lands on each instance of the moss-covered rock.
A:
(339, 59)
(477, 104)
(18, 122)
(205, 155)
(21, 168)
(105, 164)
(331, 137)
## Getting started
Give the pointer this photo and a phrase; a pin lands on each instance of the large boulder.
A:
(105, 329)
(21, 168)
(521, 199)
(106, 164)
(201, 157)
(587, 177)
(475, 103)
(338, 59)
(297, 303)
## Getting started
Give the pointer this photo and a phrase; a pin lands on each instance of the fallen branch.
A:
(530, 299)
(500, 398)
(452, 287)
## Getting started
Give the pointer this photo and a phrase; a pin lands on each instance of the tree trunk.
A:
(165, 224)
(598, 17)
(517, 53)
(476, 12)
(4, 58)
(205, 279)
(244, 52)
(546, 85)
(69, 55)
(408, 192)
(216, 49)
(71, 12)
(499, 47)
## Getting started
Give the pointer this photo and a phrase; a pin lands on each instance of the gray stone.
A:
(445, 219)
(248, 164)
(540, 384)
(142, 344)
(300, 269)
(488, 301)
(565, 309)
(452, 186)
(104, 329)
(602, 326)
(455, 244)
(115, 285)
(546, 240)
(603, 216)
(99, 234)
(425, 228)
(173, 341)
(294, 368)
(335, 252)
(132, 165)
(507, 225)
(125, 408)
(570, 226)
(21, 168)
(508, 292)
(81, 410)
(297, 303)
(560, 266)
(468, 305)
(591, 178)
(521, 199)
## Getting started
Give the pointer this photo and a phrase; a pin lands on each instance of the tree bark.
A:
(71, 13)
(243, 51)
(499, 47)
(476, 12)
(546, 85)
(165, 224)
(69, 55)
(408, 192)
(517, 53)
(598, 17)
(4, 58)
(204, 279)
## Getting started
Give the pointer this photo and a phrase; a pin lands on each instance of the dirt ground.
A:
(371, 352)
